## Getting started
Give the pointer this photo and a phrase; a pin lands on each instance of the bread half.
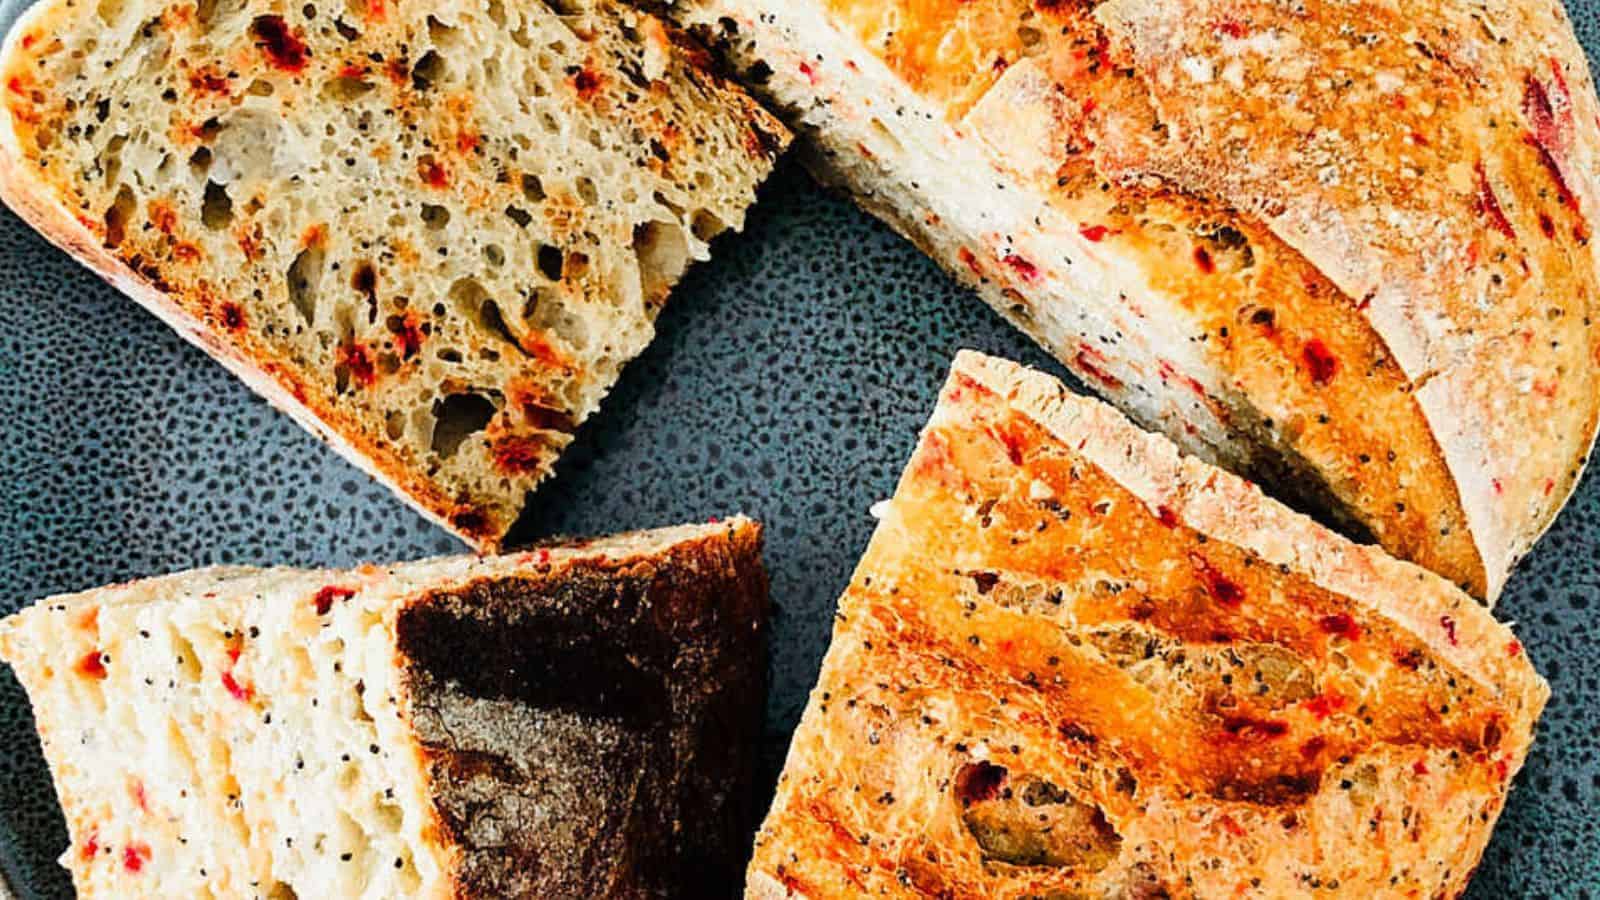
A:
(431, 232)
(1343, 248)
(1075, 663)
(572, 721)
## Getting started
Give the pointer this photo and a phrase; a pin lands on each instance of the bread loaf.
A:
(433, 233)
(1344, 248)
(572, 721)
(1075, 663)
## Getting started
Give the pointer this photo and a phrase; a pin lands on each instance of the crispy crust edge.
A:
(1229, 509)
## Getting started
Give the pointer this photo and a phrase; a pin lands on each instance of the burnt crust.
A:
(589, 732)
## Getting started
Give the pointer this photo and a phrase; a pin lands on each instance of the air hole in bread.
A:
(346, 88)
(428, 71)
(663, 255)
(532, 188)
(1028, 821)
(587, 191)
(706, 225)
(281, 891)
(304, 280)
(216, 207)
(440, 33)
(260, 88)
(518, 215)
(111, 158)
(494, 255)
(200, 161)
(457, 417)
(550, 261)
(435, 217)
(118, 215)
(110, 11)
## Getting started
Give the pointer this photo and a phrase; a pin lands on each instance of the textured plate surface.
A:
(789, 380)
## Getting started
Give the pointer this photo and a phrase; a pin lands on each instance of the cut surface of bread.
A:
(1343, 248)
(432, 232)
(1075, 663)
(573, 721)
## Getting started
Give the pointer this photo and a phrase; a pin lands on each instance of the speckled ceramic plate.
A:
(789, 380)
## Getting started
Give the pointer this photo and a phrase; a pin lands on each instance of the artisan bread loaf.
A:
(1343, 248)
(433, 233)
(572, 721)
(1075, 663)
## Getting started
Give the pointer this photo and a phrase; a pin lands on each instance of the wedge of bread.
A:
(1075, 663)
(1344, 248)
(572, 721)
(432, 233)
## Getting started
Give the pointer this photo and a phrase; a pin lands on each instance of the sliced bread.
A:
(1343, 248)
(1075, 663)
(572, 721)
(433, 233)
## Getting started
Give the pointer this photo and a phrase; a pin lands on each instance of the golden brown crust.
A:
(1062, 622)
(1371, 221)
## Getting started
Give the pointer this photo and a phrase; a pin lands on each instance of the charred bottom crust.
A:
(589, 731)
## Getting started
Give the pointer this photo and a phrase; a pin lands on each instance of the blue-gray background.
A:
(788, 381)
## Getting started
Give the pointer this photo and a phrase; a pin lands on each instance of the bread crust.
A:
(1061, 619)
(1425, 201)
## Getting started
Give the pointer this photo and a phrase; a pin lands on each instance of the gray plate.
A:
(789, 380)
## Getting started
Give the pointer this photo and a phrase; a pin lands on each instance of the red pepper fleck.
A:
(28, 40)
(164, 217)
(324, 599)
(1250, 728)
(431, 173)
(1409, 659)
(1419, 139)
(1547, 225)
(1449, 626)
(519, 454)
(239, 692)
(354, 358)
(1221, 588)
(135, 855)
(282, 46)
(587, 83)
(140, 799)
(1549, 486)
(1202, 258)
(1095, 233)
(1502, 769)
(397, 72)
(1545, 388)
(91, 665)
(91, 846)
(979, 781)
(970, 261)
(809, 73)
(1230, 826)
(1166, 516)
(1008, 439)
(232, 316)
(409, 334)
(1027, 270)
(1231, 28)
(353, 71)
(1419, 768)
(1486, 204)
(375, 10)
(1342, 625)
(1169, 372)
(1313, 748)
(1089, 106)
(1496, 486)
(15, 85)
(1092, 363)
(185, 252)
(206, 81)
(1324, 705)
(466, 142)
(1514, 647)
(1320, 361)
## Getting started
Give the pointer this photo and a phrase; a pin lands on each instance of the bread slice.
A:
(572, 721)
(432, 233)
(1344, 248)
(1075, 663)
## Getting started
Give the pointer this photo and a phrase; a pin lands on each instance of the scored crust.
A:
(1074, 662)
(432, 235)
(1343, 249)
